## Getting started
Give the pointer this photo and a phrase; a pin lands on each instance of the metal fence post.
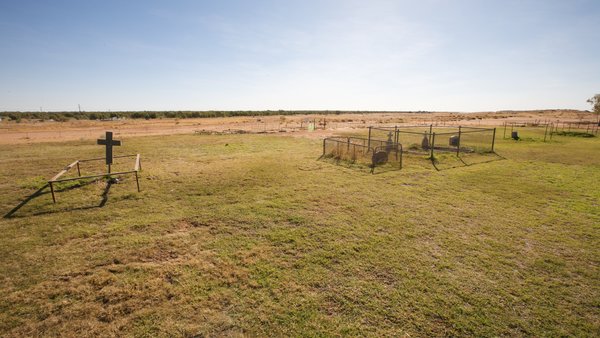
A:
(369, 142)
(430, 130)
(432, 144)
(401, 155)
(324, 146)
(52, 191)
(493, 139)
(137, 181)
(458, 146)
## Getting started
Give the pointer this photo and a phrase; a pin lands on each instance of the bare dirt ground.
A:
(296, 125)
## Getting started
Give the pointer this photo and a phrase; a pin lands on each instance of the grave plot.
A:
(528, 130)
(545, 131)
(431, 140)
(108, 142)
(576, 129)
(384, 155)
(444, 146)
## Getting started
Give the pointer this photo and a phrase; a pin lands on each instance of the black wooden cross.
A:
(109, 143)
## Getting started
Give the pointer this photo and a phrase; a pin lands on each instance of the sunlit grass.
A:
(252, 235)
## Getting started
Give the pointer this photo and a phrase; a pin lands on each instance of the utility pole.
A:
(79, 108)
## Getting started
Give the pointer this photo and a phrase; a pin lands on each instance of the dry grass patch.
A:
(250, 235)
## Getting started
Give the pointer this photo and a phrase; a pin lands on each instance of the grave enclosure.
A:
(431, 140)
(425, 140)
(108, 142)
(545, 130)
(365, 151)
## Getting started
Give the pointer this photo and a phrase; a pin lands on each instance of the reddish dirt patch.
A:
(295, 125)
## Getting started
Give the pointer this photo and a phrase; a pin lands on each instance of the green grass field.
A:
(252, 235)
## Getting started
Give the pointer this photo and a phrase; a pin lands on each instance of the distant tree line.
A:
(148, 115)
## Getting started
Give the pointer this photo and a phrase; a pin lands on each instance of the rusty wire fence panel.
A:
(444, 146)
(426, 142)
(428, 139)
(477, 140)
(392, 154)
(590, 127)
(350, 148)
(415, 141)
(362, 151)
(420, 138)
(528, 130)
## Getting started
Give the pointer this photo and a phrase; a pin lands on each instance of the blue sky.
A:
(254, 55)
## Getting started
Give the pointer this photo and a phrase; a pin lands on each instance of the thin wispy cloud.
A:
(375, 55)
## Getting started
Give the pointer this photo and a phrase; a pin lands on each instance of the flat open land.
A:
(254, 235)
(48, 131)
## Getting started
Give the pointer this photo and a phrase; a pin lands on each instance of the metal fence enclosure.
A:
(527, 129)
(429, 139)
(362, 150)
(589, 127)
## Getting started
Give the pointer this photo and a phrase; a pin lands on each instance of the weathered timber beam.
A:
(93, 176)
(62, 172)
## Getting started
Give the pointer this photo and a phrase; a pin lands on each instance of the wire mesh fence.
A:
(429, 139)
(574, 128)
(545, 131)
(527, 130)
(363, 151)
(477, 140)
(415, 141)
(445, 146)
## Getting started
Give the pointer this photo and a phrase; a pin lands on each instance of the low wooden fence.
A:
(57, 178)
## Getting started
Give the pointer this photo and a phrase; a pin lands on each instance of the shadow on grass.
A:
(358, 166)
(41, 191)
(469, 162)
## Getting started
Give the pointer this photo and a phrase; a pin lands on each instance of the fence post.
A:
(545, 133)
(493, 139)
(325, 139)
(432, 144)
(52, 191)
(401, 155)
(458, 146)
(430, 130)
(348, 147)
(369, 142)
(137, 181)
